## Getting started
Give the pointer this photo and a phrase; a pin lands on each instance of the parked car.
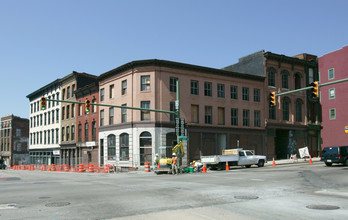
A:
(337, 154)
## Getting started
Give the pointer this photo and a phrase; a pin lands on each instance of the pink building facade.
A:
(333, 66)
(222, 109)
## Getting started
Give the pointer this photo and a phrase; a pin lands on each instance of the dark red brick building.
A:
(87, 124)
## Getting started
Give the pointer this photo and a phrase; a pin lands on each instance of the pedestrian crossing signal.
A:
(43, 103)
(87, 105)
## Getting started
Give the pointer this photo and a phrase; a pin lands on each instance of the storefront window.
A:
(145, 148)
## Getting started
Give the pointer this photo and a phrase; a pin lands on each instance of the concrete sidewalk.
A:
(288, 161)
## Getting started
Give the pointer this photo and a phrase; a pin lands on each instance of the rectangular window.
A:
(63, 133)
(52, 116)
(145, 83)
(67, 133)
(57, 103)
(48, 117)
(102, 118)
(63, 113)
(332, 93)
(234, 92)
(53, 97)
(208, 89)
(80, 109)
(52, 136)
(246, 120)
(221, 90)
(234, 117)
(124, 87)
(72, 132)
(68, 92)
(67, 111)
(73, 90)
(63, 94)
(194, 87)
(257, 95)
(332, 114)
(73, 110)
(245, 94)
(208, 119)
(172, 84)
(194, 114)
(257, 119)
(145, 115)
(57, 116)
(45, 119)
(79, 133)
(94, 107)
(331, 73)
(86, 132)
(221, 116)
(31, 108)
(172, 108)
(102, 94)
(111, 91)
(57, 135)
(124, 114)
(48, 137)
(94, 131)
(272, 112)
(48, 102)
(44, 137)
(111, 116)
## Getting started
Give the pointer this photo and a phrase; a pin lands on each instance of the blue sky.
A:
(42, 40)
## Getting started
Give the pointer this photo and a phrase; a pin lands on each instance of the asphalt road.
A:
(295, 191)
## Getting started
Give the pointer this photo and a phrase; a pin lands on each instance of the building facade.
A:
(222, 109)
(44, 131)
(70, 154)
(295, 120)
(87, 125)
(332, 67)
(14, 140)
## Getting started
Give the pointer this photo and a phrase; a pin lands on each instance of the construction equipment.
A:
(165, 158)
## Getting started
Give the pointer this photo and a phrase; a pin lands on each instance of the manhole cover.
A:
(44, 197)
(323, 207)
(246, 197)
(57, 204)
(8, 206)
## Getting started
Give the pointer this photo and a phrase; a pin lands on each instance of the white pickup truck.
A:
(234, 157)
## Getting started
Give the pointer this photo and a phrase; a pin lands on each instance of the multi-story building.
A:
(87, 125)
(14, 140)
(70, 154)
(295, 121)
(332, 67)
(222, 109)
(44, 142)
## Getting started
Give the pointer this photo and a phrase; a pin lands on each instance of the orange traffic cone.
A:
(227, 166)
(310, 159)
(204, 168)
(274, 164)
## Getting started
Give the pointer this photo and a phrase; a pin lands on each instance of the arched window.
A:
(299, 103)
(111, 147)
(145, 148)
(286, 109)
(298, 80)
(271, 76)
(124, 147)
(285, 79)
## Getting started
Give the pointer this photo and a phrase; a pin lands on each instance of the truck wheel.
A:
(328, 164)
(247, 166)
(261, 163)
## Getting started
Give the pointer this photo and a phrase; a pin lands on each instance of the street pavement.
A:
(286, 191)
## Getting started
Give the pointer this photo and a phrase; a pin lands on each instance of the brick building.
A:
(87, 125)
(221, 108)
(332, 67)
(70, 154)
(295, 121)
(14, 140)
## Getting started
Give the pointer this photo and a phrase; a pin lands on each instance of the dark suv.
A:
(338, 154)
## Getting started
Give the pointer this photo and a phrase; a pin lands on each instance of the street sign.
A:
(182, 126)
(176, 104)
(177, 126)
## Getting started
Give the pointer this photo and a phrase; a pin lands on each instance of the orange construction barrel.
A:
(147, 167)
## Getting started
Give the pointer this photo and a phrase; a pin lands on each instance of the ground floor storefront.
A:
(44, 156)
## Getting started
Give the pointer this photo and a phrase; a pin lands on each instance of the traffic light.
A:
(272, 99)
(87, 105)
(315, 89)
(43, 103)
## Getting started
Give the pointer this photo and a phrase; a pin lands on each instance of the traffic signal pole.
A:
(310, 87)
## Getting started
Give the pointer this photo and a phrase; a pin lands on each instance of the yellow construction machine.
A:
(165, 160)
